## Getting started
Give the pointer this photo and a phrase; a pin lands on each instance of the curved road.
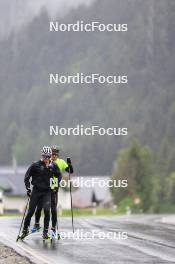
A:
(137, 239)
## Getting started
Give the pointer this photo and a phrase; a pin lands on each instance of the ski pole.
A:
(68, 161)
(23, 219)
(57, 217)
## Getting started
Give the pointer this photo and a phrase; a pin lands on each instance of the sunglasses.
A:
(46, 157)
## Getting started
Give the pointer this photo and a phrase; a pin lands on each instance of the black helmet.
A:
(46, 152)
(55, 150)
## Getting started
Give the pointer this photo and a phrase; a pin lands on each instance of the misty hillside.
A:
(17, 13)
(146, 53)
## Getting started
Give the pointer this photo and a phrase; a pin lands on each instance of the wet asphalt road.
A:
(133, 239)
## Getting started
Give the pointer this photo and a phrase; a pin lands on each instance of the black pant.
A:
(39, 197)
(54, 201)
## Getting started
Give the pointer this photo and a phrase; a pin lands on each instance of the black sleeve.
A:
(28, 176)
(69, 168)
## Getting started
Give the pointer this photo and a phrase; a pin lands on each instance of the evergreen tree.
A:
(135, 164)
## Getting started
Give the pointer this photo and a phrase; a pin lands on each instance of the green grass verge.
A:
(89, 212)
(78, 212)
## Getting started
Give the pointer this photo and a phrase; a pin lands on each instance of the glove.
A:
(56, 190)
(29, 192)
(69, 161)
(70, 168)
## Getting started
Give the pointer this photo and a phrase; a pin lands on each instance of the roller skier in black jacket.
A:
(41, 174)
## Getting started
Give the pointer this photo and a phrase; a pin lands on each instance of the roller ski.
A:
(58, 236)
(24, 234)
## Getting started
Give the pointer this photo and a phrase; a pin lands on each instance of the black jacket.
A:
(41, 175)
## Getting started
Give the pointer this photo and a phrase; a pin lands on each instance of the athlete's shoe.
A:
(55, 233)
(25, 233)
(46, 235)
(36, 228)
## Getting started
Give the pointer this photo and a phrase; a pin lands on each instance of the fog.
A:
(16, 13)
